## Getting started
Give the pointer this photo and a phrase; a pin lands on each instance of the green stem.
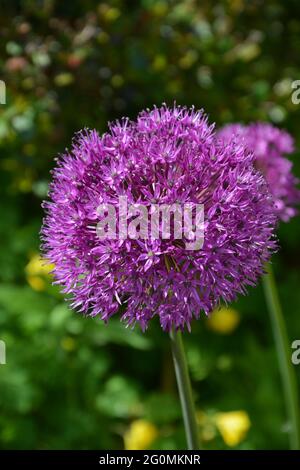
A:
(288, 376)
(185, 390)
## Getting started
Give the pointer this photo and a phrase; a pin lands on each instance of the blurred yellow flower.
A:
(37, 265)
(223, 320)
(140, 435)
(233, 426)
(36, 271)
(36, 283)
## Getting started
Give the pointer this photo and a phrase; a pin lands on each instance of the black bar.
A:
(138, 459)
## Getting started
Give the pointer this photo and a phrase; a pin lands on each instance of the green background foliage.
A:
(72, 382)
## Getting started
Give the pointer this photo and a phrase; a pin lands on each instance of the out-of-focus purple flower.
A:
(270, 145)
(169, 155)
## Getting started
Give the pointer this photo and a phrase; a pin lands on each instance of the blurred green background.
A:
(71, 382)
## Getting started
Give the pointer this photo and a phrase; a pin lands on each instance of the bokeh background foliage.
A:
(71, 382)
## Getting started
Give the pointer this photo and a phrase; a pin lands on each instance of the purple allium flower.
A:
(270, 145)
(168, 155)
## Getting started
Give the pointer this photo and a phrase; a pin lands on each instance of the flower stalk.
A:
(288, 377)
(185, 390)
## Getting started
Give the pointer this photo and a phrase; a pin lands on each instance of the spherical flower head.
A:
(270, 146)
(167, 156)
